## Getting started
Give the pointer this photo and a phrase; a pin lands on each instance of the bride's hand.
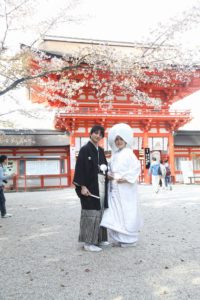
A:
(110, 177)
(121, 180)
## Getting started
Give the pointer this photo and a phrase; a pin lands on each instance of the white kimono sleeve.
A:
(131, 166)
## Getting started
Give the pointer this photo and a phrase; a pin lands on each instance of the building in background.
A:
(39, 158)
(187, 153)
(153, 126)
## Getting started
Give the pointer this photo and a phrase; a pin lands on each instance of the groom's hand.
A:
(85, 191)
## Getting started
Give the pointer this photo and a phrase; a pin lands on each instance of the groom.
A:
(91, 187)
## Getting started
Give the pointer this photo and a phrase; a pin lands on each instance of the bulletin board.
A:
(42, 167)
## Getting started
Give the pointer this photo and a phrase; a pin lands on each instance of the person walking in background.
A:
(91, 187)
(122, 217)
(3, 179)
(162, 172)
(154, 171)
(168, 176)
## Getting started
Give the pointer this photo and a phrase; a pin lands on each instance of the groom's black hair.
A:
(97, 128)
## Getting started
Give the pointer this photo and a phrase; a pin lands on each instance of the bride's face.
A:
(120, 143)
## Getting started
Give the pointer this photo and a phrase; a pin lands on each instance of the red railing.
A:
(30, 182)
(85, 111)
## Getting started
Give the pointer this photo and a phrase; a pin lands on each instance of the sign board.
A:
(187, 170)
(72, 157)
(141, 153)
(147, 157)
(11, 167)
(42, 167)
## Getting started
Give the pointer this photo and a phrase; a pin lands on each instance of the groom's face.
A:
(96, 136)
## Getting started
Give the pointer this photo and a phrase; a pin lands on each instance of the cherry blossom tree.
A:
(61, 78)
(25, 21)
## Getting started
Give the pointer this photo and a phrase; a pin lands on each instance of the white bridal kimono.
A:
(122, 217)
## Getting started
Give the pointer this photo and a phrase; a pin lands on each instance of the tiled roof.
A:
(187, 138)
(33, 138)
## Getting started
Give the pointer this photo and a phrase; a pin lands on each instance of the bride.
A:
(122, 217)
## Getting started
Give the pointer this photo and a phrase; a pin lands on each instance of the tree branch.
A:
(6, 29)
(31, 77)
(18, 6)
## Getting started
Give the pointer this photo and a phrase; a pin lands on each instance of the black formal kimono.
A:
(87, 173)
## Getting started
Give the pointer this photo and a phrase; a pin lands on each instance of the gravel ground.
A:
(41, 259)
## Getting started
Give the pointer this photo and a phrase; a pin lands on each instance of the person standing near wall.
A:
(91, 187)
(163, 174)
(168, 176)
(3, 179)
(154, 171)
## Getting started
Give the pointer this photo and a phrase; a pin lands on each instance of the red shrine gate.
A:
(153, 128)
(148, 129)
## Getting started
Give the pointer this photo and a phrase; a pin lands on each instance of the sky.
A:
(113, 20)
(126, 20)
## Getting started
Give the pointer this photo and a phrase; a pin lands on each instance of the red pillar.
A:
(171, 154)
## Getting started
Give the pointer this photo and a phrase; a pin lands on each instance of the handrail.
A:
(126, 111)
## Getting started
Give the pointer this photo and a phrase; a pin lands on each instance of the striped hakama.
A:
(90, 230)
